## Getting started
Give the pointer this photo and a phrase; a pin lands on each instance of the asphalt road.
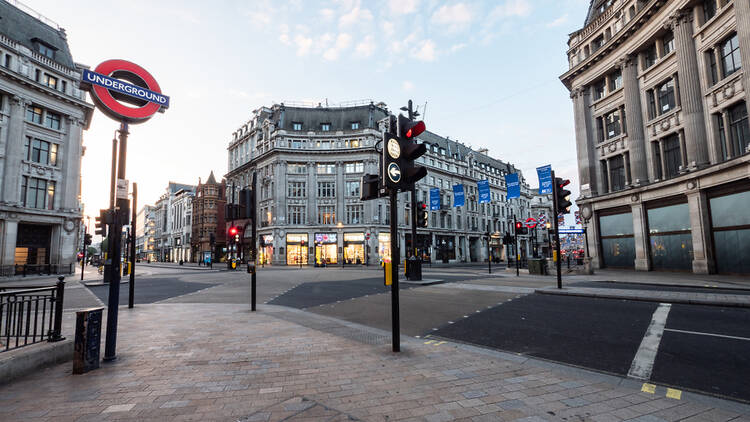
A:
(651, 287)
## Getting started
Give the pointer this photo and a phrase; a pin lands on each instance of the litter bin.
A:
(87, 340)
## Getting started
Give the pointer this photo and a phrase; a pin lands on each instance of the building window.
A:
(52, 121)
(296, 214)
(615, 80)
(355, 125)
(597, 43)
(325, 127)
(296, 144)
(352, 143)
(42, 152)
(599, 88)
(354, 214)
(326, 168)
(666, 96)
(297, 189)
(296, 126)
(355, 167)
(352, 188)
(617, 173)
(46, 50)
(50, 81)
(34, 114)
(612, 121)
(668, 43)
(738, 129)
(719, 119)
(709, 10)
(296, 168)
(37, 193)
(327, 189)
(600, 129)
(672, 155)
(326, 214)
(730, 56)
(649, 56)
(712, 67)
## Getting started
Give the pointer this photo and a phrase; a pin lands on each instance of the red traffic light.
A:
(519, 224)
(424, 206)
(416, 130)
(564, 182)
(233, 231)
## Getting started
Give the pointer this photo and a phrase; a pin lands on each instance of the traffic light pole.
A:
(557, 236)
(253, 246)
(83, 261)
(414, 274)
(395, 260)
(115, 240)
(131, 287)
(489, 254)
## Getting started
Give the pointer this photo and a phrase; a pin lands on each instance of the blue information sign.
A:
(434, 199)
(545, 179)
(570, 231)
(458, 195)
(514, 188)
(483, 187)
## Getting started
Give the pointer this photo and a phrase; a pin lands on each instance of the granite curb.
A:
(648, 296)
(14, 364)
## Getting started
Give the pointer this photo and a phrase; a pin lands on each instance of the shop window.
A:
(670, 241)
(731, 232)
(618, 245)
(738, 129)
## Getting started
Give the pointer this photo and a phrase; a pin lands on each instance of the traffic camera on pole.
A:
(562, 195)
(421, 214)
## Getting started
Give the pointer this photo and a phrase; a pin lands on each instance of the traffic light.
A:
(86, 239)
(247, 203)
(562, 196)
(400, 150)
(421, 214)
(100, 222)
(519, 225)
(369, 187)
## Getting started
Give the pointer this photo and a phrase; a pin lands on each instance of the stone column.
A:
(700, 226)
(8, 238)
(312, 193)
(692, 102)
(727, 137)
(69, 160)
(635, 130)
(742, 15)
(281, 176)
(640, 237)
(584, 140)
(14, 152)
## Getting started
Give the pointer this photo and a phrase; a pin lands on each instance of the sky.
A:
(485, 73)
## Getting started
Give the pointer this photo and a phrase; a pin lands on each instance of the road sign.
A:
(122, 189)
(394, 149)
(394, 172)
(109, 90)
(570, 231)
(531, 222)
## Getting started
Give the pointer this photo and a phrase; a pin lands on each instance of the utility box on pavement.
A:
(537, 266)
(87, 340)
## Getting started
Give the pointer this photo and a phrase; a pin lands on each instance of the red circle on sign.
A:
(531, 222)
(122, 111)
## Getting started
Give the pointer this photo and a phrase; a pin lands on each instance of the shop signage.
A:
(267, 239)
(119, 99)
(570, 231)
(355, 237)
(325, 238)
(296, 238)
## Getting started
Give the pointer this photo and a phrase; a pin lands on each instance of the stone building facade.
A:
(309, 161)
(209, 234)
(145, 229)
(660, 91)
(42, 117)
(172, 231)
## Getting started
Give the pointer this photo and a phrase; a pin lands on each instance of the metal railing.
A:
(35, 269)
(30, 314)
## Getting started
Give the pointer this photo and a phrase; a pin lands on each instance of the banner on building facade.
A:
(545, 179)
(578, 217)
(483, 187)
(458, 195)
(542, 219)
(434, 199)
(514, 188)
(560, 219)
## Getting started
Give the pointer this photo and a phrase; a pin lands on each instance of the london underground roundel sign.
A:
(124, 91)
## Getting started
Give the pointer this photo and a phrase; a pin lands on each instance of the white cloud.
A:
(511, 8)
(403, 7)
(304, 44)
(456, 47)
(558, 22)
(284, 38)
(388, 28)
(455, 17)
(356, 16)
(407, 86)
(366, 47)
(343, 41)
(327, 14)
(426, 51)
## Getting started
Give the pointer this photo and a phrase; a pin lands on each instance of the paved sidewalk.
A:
(222, 362)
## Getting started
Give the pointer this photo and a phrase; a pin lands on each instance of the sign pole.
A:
(116, 239)
(395, 260)
(489, 254)
(131, 287)
(557, 236)
(83, 261)
(253, 247)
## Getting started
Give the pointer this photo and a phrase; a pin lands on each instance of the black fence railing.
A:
(35, 269)
(30, 314)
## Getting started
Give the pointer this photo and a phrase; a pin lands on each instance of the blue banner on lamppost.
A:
(483, 187)
(434, 199)
(514, 188)
(545, 179)
(458, 195)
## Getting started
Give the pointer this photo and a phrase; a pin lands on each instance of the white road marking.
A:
(643, 363)
(706, 334)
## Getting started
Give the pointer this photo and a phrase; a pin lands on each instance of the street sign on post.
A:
(531, 222)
